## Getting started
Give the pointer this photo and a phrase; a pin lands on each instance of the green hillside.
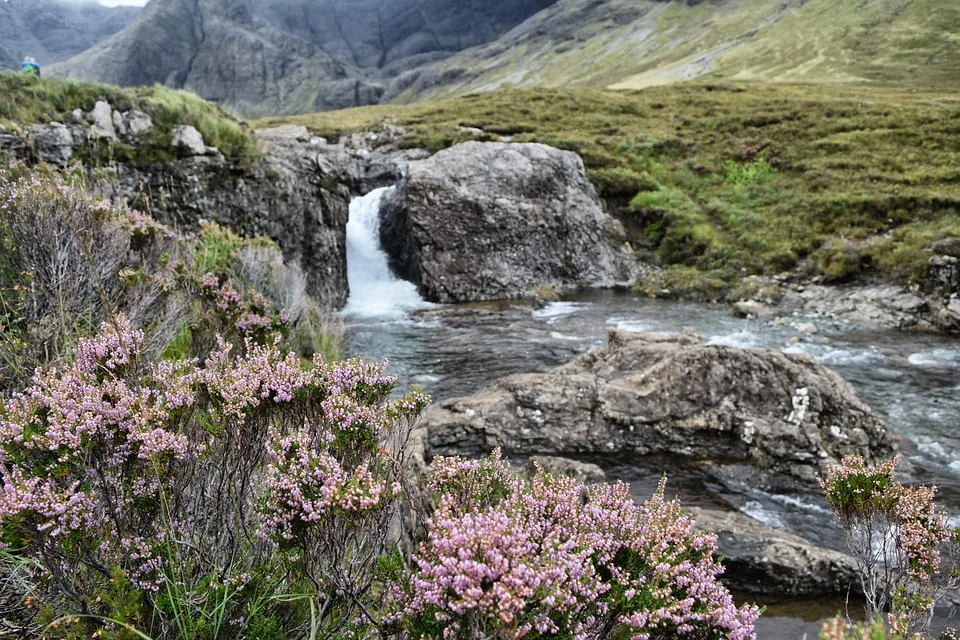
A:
(718, 181)
(638, 43)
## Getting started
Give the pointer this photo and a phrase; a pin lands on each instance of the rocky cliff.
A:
(282, 193)
(54, 30)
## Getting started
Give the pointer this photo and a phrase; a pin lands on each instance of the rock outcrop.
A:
(284, 194)
(485, 220)
(647, 395)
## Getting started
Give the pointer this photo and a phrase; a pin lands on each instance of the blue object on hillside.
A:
(29, 65)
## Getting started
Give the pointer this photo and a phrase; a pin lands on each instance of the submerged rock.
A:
(647, 395)
(481, 221)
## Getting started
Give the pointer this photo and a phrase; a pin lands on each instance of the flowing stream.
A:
(912, 380)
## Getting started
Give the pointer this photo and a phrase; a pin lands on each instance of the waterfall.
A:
(374, 290)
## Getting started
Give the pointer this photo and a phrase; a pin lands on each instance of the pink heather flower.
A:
(533, 557)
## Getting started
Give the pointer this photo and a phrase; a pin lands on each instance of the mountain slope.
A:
(52, 30)
(637, 43)
(286, 56)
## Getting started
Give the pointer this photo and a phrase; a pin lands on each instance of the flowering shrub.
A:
(553, 558)
(206, 488)
(906, 552)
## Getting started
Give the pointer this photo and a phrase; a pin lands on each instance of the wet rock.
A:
(762, 560)
(580, 471)
(188, 141)
(101, 118)
(872, 306)
(487, 220)
(649, 395)
(752, 309)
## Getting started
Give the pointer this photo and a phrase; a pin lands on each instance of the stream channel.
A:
(911, 380)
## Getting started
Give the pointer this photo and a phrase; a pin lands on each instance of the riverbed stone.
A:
(651, 395)
(487, 220)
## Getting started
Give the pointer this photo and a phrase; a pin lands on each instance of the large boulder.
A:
(484, 220)
(654, 395)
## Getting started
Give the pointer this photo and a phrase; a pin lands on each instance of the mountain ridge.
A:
(272, 57)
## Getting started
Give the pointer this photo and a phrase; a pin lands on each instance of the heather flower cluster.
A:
(907, 553)
(242, 470)
(551, 557)
(251, 316)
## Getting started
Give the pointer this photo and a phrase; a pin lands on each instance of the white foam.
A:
(743, 339)
(374, 291)
(560, 336)
(555, 309)
(761, 514)
(935, 358)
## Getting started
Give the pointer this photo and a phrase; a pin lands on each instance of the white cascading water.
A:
(374, 290)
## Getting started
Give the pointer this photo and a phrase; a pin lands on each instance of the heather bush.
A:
(242, 496)
(69, 261)
(907, 554)
(551, 558)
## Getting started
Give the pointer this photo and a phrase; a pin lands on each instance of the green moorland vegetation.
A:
(717, 181)
(26, 100)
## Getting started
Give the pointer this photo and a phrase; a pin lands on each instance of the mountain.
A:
(265, 57)
(636, 43)
(288, 56)
(53, 30)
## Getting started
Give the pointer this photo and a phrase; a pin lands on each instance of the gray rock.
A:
(78, 116)
(580, 471)
(869, 306)
(101, 118)
(118, 124)
(486, 220)
(752, 308)
(137, 123)
(759, 559)
(649, 395)
(188, 141)
(52, 144)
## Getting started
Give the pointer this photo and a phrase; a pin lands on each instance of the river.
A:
(911, 380)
